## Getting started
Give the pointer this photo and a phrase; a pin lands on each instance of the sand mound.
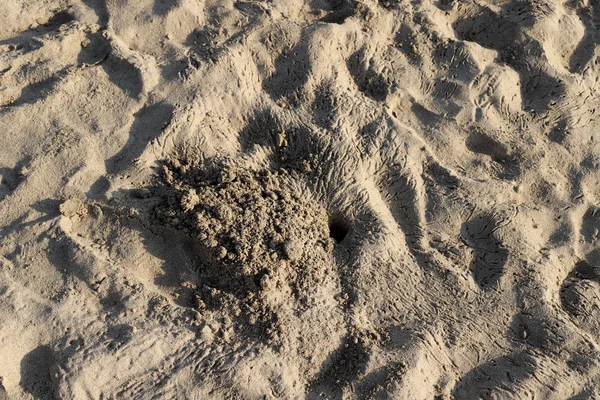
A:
(264, 254)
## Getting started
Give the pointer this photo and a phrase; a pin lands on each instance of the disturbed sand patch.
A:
(264, 255)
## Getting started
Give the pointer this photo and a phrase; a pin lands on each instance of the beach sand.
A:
(299, 199)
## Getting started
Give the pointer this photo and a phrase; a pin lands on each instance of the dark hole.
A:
(338, 230)
(584, 270)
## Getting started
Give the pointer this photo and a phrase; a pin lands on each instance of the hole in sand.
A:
(338, 230)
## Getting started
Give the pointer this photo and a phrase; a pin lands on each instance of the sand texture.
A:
(299, 199)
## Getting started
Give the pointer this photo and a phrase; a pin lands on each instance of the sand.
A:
(286, 199)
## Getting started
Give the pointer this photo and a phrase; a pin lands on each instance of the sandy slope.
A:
(299, 199)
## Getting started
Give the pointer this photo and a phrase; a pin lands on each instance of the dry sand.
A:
(299, 199)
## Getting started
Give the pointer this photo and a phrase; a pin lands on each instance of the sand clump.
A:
(264, 255)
